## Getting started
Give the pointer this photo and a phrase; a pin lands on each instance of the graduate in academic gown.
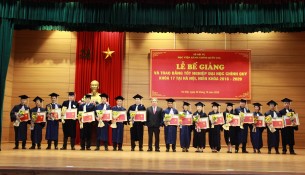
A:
(69, 125)
(85, 132)
(228, 134)
(288, 131)
(136, 131)
(36, 133)
(243, 133)
(102, 132)
(52, 124)
(214, 133)
(118, 133)
(273, 138)
(20, 127)
(256, 137)
(185, 131)
(199, 139)
(170, 131)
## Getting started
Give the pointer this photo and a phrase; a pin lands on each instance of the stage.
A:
(101, 162)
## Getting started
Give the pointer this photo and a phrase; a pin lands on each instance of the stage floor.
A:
(127, 162)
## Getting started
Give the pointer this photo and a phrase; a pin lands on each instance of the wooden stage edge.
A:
(69, 162)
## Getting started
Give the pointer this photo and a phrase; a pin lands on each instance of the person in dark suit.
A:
(273, 138)
(102, 132)
(21, 127)
(52, 124)
(243, 134)
(288, 131)
(85, 132)
(154, 122)
(36, 133)
(69, 125)
(136, 131)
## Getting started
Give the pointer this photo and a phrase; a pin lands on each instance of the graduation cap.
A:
(230, 104)
(137, 96)
(119, 98)
(199, 104)
(257, 104)
(53, 95)
(243, 101)
(71, 93)
(103, 95)
(286, 100)
(88, 96)
(38, 98)
(215, 104)
(271, 103)
(170, 100)
(24, 97)
(185, 103)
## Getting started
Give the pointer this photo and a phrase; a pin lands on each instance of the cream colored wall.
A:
(44, 61)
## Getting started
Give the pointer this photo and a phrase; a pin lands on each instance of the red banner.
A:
(200, 74)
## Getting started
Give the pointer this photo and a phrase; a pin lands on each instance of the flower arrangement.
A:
(115, 115)
(167, 119)
(242, 117)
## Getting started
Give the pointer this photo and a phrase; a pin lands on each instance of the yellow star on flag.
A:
(108, 53)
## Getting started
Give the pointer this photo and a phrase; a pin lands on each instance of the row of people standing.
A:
(235, 136)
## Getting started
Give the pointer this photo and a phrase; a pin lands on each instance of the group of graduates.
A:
(235, 136)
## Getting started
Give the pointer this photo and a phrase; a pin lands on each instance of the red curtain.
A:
(92, 65)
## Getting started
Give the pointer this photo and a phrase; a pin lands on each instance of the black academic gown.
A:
(257, 137)
(170, 131)
(229, 134)
(214, 135)
(36, 133)
(273, 138)
(21, 130)
(102, 133)
(136, 131)
(52, 125)
(118, 133)
(69, 126)
(243, 134)
(85, 132)
(287, 132)
(199, 139)
(185, 133)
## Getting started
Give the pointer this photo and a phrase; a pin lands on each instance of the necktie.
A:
(245, 111)
(104, 108)
(69, 105)
(136, 108)
(155, 110)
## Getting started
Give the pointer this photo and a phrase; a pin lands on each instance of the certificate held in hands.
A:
(203, 123)
(278, 123)
(107, 115)
(249, 118)
(235, 121)
(25, 116)
(40, 117)
(260, 122)
(88, 117)
(122, 116)
(187, 120)
(71, 114)
(174, 120)
(139, 116)
(56, 113)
